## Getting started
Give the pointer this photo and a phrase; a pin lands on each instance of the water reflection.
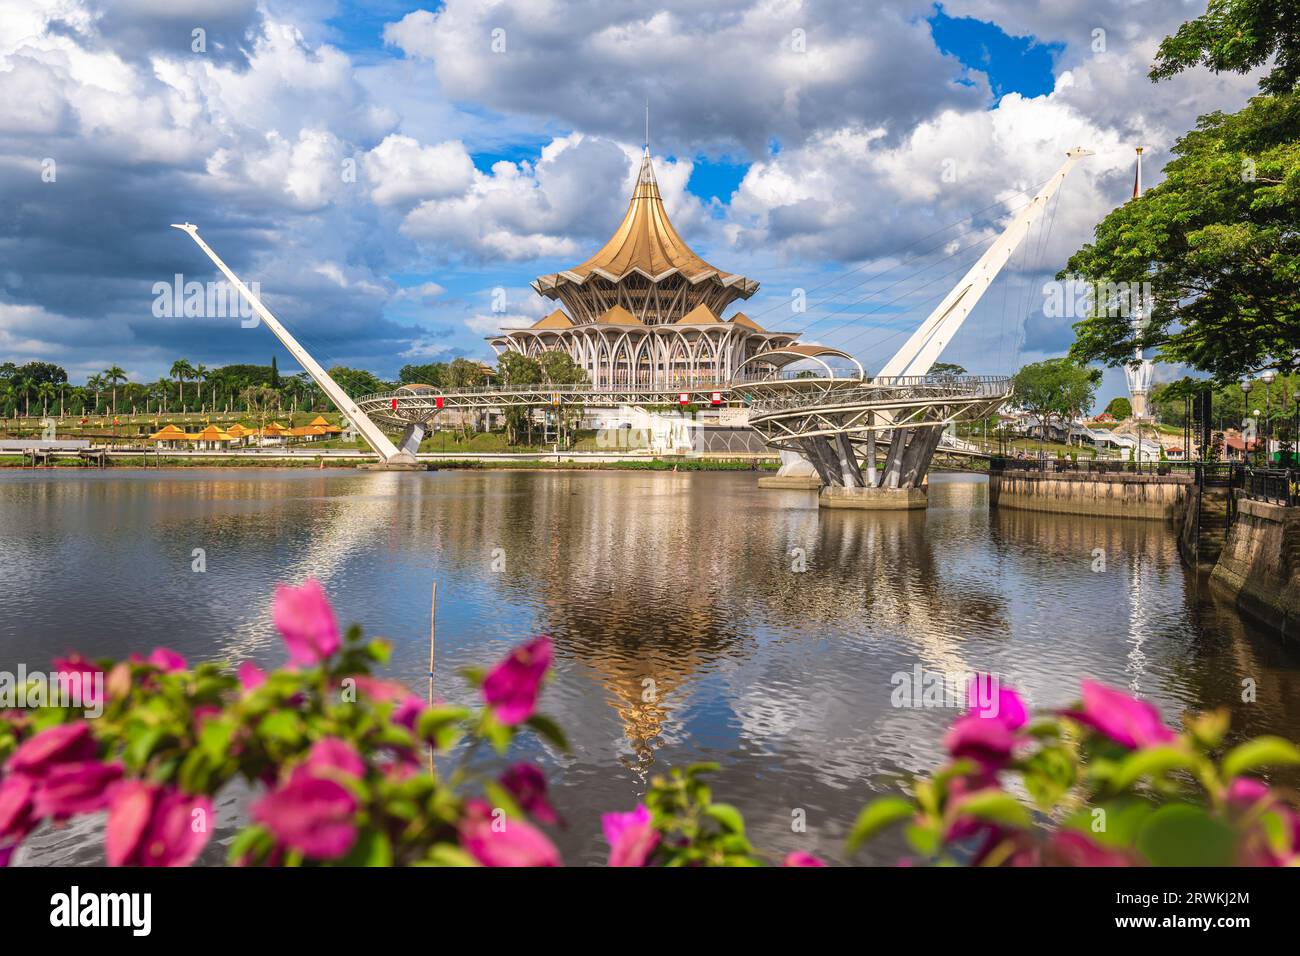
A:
(695, 617)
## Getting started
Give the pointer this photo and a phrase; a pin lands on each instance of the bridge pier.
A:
(873, 499)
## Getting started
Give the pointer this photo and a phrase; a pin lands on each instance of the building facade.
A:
(645, 310)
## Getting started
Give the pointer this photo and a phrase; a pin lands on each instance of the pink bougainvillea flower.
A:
(310, 814)
(306, 622)
(527, 784)
(988, 699)
(79, 787)
(61, 744)
(1244, 792)
(17, 814)
(1124, 719)
(511, 687)
(631, 836)
(251, 677)
(798, 858)
(989, 743)
(1072, 848)
(408, 712)
(498, 841)
(155, 826)
(330, 755)
(166, 660)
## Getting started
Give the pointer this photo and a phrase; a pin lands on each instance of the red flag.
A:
(437, 402)
(717, 398)
(684, 398)
(394, 404)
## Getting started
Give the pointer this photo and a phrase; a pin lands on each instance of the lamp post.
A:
(1267, 378)
(1245, 391)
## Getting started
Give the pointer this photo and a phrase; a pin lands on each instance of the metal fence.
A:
(1278, 485)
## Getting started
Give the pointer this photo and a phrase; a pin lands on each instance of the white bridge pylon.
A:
(368, 429)
(921, 351)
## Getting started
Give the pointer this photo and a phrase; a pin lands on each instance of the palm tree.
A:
(112, 376)
(161, 389)
(201, 376)
(7, 395)
(181, 370)
(95, 384)
(46, 392)
(23, 386)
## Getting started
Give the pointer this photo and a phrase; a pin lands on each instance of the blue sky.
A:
(383, 169)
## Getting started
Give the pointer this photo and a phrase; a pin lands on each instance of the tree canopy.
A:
(1058, 388)
(1217, 239)
(1236, 36)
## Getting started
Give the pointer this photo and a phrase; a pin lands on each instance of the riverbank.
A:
(440, 464)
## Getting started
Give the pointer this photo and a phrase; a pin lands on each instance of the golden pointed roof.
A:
(700, 315)
(740, 318)
(617, 315)
(646, 243)
(556, 320)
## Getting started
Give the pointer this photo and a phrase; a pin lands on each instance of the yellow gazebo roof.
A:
(212, 433)
(238, 431)
(167, 433)
(319, 420)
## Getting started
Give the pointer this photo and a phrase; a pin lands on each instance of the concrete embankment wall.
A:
(1118, 496)
(1259, 567)
(1201, 520)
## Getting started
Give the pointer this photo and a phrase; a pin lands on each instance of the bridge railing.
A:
(689, 384)
(919, 387)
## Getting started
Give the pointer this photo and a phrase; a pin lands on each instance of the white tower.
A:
(1138, 374)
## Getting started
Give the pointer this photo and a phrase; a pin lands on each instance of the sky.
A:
(394, 175)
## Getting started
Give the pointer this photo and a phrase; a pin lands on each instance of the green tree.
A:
(1119, 407)
(46, 393)
(1055, 389)
(1236, 36)
(947, 368)
(519, 371)
(113, 376)
(433, 373)
(182, 370)
(357, 382)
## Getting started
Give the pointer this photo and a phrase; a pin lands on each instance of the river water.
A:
(695, 617)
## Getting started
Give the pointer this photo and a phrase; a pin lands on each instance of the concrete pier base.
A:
(791, 482)
(396, 466)
(873, 499)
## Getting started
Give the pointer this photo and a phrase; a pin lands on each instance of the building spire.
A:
(1137, 178)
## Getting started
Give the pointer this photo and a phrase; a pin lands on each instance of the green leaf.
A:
(282, 725)
(728, 816)
(877, 815)
(448, 854)
(1184, 835)
(1151, 762)
(549, 730)
(995, 806)
(1260, 752)
(371, 849)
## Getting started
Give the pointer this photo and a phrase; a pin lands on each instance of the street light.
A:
(1245, 391)
(1267, 378)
